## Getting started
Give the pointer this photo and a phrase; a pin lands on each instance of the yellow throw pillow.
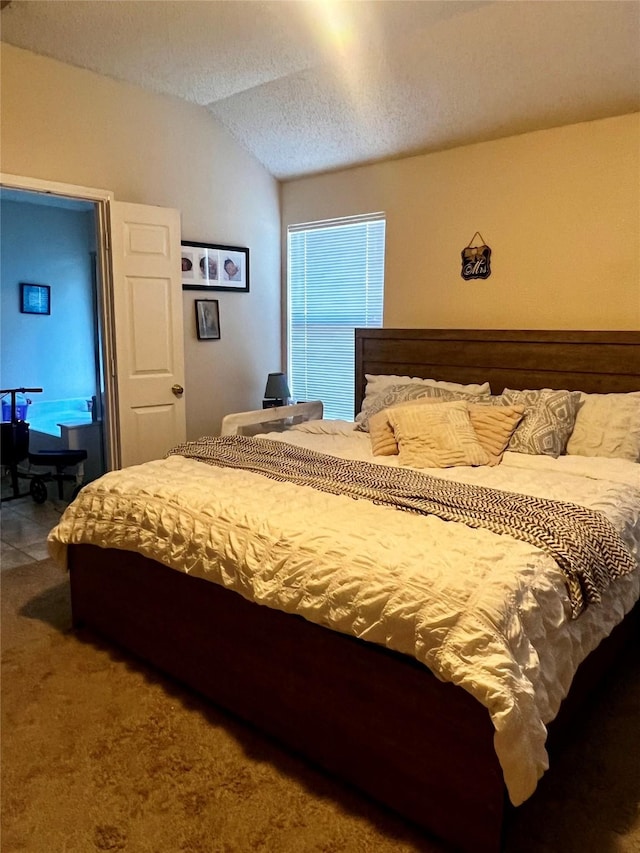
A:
(383, 441)
(438, 435)
(493, 425)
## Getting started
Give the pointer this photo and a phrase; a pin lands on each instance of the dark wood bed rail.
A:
(368, 715)
(591, 361)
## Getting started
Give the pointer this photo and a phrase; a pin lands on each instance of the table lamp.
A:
(277, 391)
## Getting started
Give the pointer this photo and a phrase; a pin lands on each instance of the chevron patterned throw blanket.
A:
(583, 542)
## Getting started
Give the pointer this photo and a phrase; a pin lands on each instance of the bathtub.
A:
(48, 417)
(58, 424)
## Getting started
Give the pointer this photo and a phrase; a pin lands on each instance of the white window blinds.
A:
(335, 284)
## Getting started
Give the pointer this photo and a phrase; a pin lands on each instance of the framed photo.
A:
(209, 266)
(35, 298)
(207, 319)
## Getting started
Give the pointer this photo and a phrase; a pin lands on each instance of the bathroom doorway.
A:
(142, 400)
(51, 242)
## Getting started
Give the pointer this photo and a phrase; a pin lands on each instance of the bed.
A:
(361, 707)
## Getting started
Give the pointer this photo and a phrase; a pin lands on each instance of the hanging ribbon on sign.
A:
(476, 260)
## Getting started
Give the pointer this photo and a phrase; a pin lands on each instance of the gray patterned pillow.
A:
(395, 394)
(548, 420)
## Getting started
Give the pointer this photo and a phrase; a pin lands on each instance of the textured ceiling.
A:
(310, 86)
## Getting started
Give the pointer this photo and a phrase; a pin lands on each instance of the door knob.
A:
(178, 390)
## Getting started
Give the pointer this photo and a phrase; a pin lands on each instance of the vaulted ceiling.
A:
(310, 86)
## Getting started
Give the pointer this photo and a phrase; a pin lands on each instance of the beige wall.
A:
(60, 123)
(560, 210)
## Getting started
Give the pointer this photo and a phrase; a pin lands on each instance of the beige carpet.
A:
(99, 753)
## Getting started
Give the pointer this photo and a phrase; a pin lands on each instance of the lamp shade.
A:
(277, 388)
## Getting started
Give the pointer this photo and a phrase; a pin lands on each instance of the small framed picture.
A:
(35, 298)
(210, 266)
(207, 319)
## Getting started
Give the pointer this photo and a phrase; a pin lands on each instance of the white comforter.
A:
(482, 610)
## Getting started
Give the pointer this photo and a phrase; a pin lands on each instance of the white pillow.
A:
(377, 383)
(607, 425)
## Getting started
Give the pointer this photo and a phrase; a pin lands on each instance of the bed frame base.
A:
(368, 715)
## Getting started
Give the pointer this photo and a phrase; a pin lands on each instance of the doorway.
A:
(140, 324)
(51, 242)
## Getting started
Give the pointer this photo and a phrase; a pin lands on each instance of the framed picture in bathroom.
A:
(35, 298)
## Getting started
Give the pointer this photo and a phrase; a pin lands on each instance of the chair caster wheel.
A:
(38, 490)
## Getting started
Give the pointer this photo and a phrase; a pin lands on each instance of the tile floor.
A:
(25, 525)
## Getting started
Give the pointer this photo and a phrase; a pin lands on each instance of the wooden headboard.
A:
(593, 361)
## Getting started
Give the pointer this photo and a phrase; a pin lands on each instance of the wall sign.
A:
(476, 260)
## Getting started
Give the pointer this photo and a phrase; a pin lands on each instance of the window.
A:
(336, 283)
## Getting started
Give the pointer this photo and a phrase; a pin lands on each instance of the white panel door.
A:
(148, 331)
